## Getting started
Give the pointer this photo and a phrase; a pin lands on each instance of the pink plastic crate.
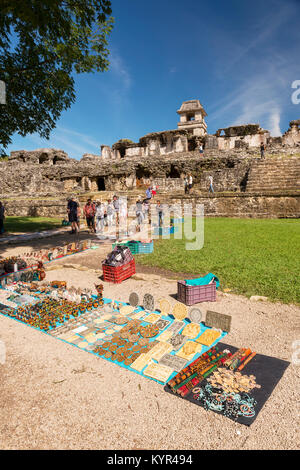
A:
(190, 295)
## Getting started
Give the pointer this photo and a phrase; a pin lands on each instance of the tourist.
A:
(109, 212)
(186, 185)
(153, 190)
(149, 193)
(116, 206)
(89, 212)
(262, 150)
(2, 217)
(123, 217)
(99, 215)
(201, 149)
(211, 189)
(73, 214)
(78, 215)
(160, 213)
(139, 213)
(190, 182)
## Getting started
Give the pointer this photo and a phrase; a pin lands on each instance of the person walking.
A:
(78, 215)
(99, 215)
(160, 213)
(201, 149)
(116, 206)
(89, 212)
(153, 190)
(262, 150)
(211, 189)
(73, 214)
(149, 193)
(139, 213)
(109, 212)
(190, 183)
(2, 217)
(186, 185)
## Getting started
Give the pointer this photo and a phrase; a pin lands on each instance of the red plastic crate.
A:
(117, 274)
(190, 295)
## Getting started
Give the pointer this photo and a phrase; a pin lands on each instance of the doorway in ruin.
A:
(173, 172)
(101, 183)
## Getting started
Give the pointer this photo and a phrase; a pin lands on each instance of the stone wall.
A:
(221, 205)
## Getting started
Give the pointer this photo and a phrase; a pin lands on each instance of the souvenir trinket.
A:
(180, 311)
(195, 315)
(148, 302)
(134, 299)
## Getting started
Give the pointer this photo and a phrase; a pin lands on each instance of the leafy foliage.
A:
(42, 44)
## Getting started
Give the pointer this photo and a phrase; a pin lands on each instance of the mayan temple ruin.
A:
(38, 182)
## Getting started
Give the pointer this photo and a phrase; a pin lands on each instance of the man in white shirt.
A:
(211, 189)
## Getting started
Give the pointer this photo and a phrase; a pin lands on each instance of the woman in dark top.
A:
(73, 214)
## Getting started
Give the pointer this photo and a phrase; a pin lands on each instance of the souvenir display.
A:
(195, 315)
(162, 324)
(174, 362)
(158, 372)
(134, 299)
(148, 302)
(176, 326)
(152, 318)
(208, 337)
(232, 382)
(58, 284)
(164, 306)
(218, 320)
(99, 289)
(159, 350)
(177, 341)
(149, 331)
(191, 330)
(166, 351)
(209, 382)
(180, 311)
(188, 350)
(126, 310)
(141, 362)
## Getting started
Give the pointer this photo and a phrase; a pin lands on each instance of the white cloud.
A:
(120, 70)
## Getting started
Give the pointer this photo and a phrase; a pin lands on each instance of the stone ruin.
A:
(231, 156)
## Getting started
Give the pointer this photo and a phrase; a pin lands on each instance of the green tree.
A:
(43, 43)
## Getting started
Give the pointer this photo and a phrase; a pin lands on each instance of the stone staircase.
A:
(274, 174)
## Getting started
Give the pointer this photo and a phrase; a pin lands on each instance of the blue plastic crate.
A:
(144, 248)
(165, 230)
(178, 220)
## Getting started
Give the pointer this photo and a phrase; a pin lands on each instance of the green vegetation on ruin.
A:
(250, 256)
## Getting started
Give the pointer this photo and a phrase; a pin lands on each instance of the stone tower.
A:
(192, 116)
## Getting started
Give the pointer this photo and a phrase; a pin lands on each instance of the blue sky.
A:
(238, 57)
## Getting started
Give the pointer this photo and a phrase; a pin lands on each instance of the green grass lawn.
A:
(30, 224)
(249, 256)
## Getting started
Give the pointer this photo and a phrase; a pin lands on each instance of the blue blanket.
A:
(202, 281)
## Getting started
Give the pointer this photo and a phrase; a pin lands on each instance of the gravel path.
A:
(56, 396)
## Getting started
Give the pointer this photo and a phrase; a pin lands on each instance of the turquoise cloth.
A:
(202, 281)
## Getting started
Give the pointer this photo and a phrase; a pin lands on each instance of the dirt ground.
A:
(56, 396)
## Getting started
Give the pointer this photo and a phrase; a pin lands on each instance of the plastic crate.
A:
(190, 295)
(137, 248)
(176, 220)
(165, 230)
(117, 274)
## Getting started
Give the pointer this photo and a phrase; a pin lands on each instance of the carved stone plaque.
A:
(218, 320)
